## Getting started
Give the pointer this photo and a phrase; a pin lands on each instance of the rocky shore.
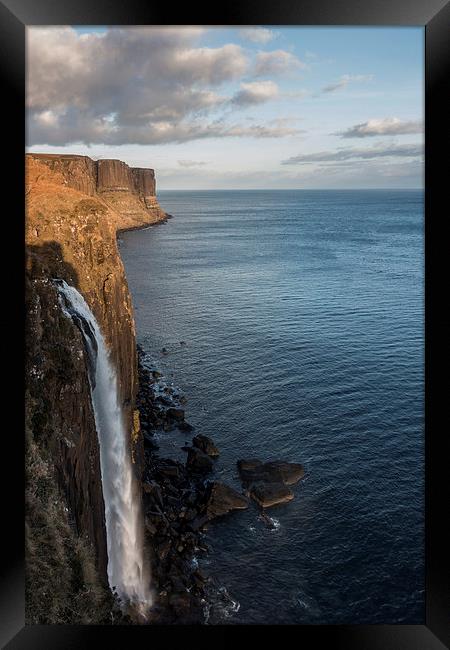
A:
(181, 500)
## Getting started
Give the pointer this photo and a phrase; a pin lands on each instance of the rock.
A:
(149, 441)
(181, 603)
(248, 464)
(150, 526)
(175, 413)
(153, 490)
(167, 401)
(270, 494)
(277, 471)
(256, 472)
(170, 469)
(222, 499)
(267, 520)
(178, 584)
(163, 549)
(144, 181)
(199, 577)
(198, 461)
(190, 514)
(185, 426)
(198, 523)
(113, 175)
(206, 445)
(290, 472)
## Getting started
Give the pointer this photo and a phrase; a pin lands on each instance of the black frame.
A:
(435, 16)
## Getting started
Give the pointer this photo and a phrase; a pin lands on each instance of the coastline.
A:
(72, 218)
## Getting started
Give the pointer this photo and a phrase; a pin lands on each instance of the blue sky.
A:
(251, 107)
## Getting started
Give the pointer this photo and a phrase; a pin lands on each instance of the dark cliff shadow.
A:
(60, 427)
(46, 261)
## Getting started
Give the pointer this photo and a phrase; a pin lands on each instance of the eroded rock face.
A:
(71, 233)
(144, 181)
(77, 172)
(58, 404)
(114, 175)
(129, 191)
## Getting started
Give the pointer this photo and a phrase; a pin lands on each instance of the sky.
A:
(251, 107)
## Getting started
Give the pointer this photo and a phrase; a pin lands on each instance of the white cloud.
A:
(344, 81)
(260, 35)
(191, 163)
(386, 126)
(276, 62)
(349, 153)
(373, 174)
(126, 85)
(255, 92)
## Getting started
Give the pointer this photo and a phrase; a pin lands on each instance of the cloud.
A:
(103, 131)
(255, 92)
(344, 81)
(386, 126)
(263, 131)
(276, 62)
(191, 163)
(260, 35)
(344, 154)
(374, 174)
(126, 85)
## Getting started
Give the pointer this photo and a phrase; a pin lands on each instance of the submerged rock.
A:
(222, 499)
(270, 494)
(206, 445)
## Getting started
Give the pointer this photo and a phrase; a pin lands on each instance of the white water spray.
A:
(127, 572)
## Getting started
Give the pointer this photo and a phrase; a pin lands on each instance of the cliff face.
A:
(74, 208)
(129, 192)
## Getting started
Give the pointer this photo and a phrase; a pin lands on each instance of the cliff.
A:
(74, 208)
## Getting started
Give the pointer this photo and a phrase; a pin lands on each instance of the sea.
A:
(293, 321)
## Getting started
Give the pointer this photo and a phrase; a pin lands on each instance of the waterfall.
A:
(127, 572)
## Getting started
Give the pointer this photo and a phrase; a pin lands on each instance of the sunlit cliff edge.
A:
(75, 207)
